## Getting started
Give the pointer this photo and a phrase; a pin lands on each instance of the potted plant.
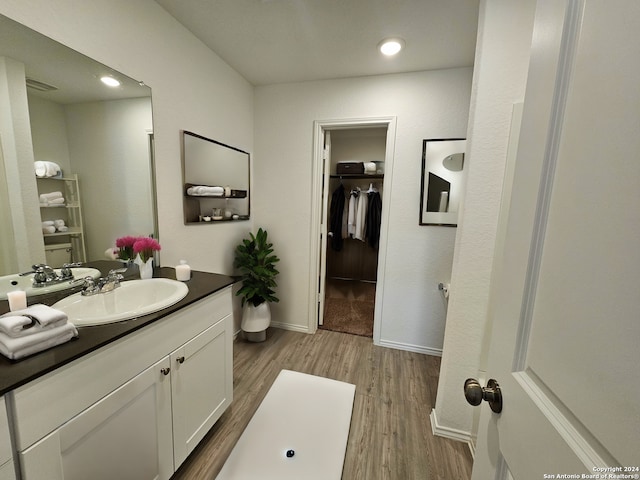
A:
(256, 261)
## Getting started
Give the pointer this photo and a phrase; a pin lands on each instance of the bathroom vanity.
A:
(126, 400)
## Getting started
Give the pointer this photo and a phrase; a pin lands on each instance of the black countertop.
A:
(14, 373)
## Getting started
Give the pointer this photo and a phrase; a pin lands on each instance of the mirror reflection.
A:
(216, 180)
(442, 181)
(90, 144)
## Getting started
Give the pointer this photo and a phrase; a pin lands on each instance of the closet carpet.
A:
(390, 436)
(349, 307)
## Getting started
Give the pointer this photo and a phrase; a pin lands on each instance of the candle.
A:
(17, 300)
(183, 271)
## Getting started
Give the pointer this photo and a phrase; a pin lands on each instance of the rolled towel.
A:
(62, 228)
(201, 190)
(15, 348)
(46, 169)
(15, 326)
(56, 202)
(49, 229)
(58, 223)
(111, 253)
(48, 223)
(47, 197)
(42, 314)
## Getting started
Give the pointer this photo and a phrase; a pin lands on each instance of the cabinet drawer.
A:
(43, 405)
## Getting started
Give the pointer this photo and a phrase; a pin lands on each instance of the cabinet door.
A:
(201, 385)
(126, 435)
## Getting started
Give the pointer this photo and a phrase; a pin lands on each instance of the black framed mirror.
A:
(215, 180)
(443, 170)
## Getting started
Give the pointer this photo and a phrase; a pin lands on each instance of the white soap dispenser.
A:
(183, 271)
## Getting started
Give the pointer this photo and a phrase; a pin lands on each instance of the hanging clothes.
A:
(361, 217)
(335, 217)
(353, 207)
(374, 218)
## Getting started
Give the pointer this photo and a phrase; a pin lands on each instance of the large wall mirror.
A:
(216, 181)
(60, 112)
(443, 170)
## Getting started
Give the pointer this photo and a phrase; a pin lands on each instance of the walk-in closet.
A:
(353, 217)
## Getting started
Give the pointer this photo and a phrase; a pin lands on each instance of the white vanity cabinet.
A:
(7, 469)
(135, 408)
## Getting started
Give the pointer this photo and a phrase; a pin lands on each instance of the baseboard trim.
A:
(451, 433)
(288, 326)
(436, 352)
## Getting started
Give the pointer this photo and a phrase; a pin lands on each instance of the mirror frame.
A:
(446, 218)
(191, 204)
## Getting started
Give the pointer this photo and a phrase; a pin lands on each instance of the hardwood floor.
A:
(390, 436)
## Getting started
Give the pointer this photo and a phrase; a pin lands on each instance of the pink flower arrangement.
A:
(129, 247)
(125, 247)
(145, 246)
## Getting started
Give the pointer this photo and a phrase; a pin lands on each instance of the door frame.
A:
(320, 204)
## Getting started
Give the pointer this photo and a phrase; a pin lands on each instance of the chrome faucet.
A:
(44, 275)
(104, 284)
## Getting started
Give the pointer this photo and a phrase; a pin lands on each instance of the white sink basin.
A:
(9, 283)
(133, 298)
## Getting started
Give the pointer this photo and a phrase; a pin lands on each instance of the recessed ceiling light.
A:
(391, 46)
(110, 81)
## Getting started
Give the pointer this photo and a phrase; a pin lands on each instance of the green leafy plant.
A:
(256, 261)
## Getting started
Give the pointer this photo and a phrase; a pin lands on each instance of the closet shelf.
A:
(357, 175)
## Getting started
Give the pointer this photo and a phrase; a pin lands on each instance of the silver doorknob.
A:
(475, 394)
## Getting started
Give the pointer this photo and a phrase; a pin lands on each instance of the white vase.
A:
(256, 320)
(146, 268)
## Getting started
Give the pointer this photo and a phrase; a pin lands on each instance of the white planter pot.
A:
(255, 319)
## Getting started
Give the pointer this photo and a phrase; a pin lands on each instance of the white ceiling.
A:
(277, 41)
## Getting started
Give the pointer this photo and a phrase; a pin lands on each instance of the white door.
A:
(326, 163)
(565, 308)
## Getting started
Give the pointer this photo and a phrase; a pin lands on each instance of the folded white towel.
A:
(15, 326)
(47, 197)
(15, 348)
(62, 228)
(43, 314)
(55, 202)
(46, 169)
(50, 229)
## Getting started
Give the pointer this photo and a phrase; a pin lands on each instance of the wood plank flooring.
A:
(390, 436)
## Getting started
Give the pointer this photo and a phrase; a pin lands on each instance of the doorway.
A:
(354, 163)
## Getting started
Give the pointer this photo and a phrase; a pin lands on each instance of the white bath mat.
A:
(299, 431)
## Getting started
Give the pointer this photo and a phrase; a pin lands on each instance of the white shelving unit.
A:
(71, 240)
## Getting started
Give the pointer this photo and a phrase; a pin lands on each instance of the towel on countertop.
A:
(42, 314)
(46, 169)
(15, 326)
(16, 348)
(200, 190)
